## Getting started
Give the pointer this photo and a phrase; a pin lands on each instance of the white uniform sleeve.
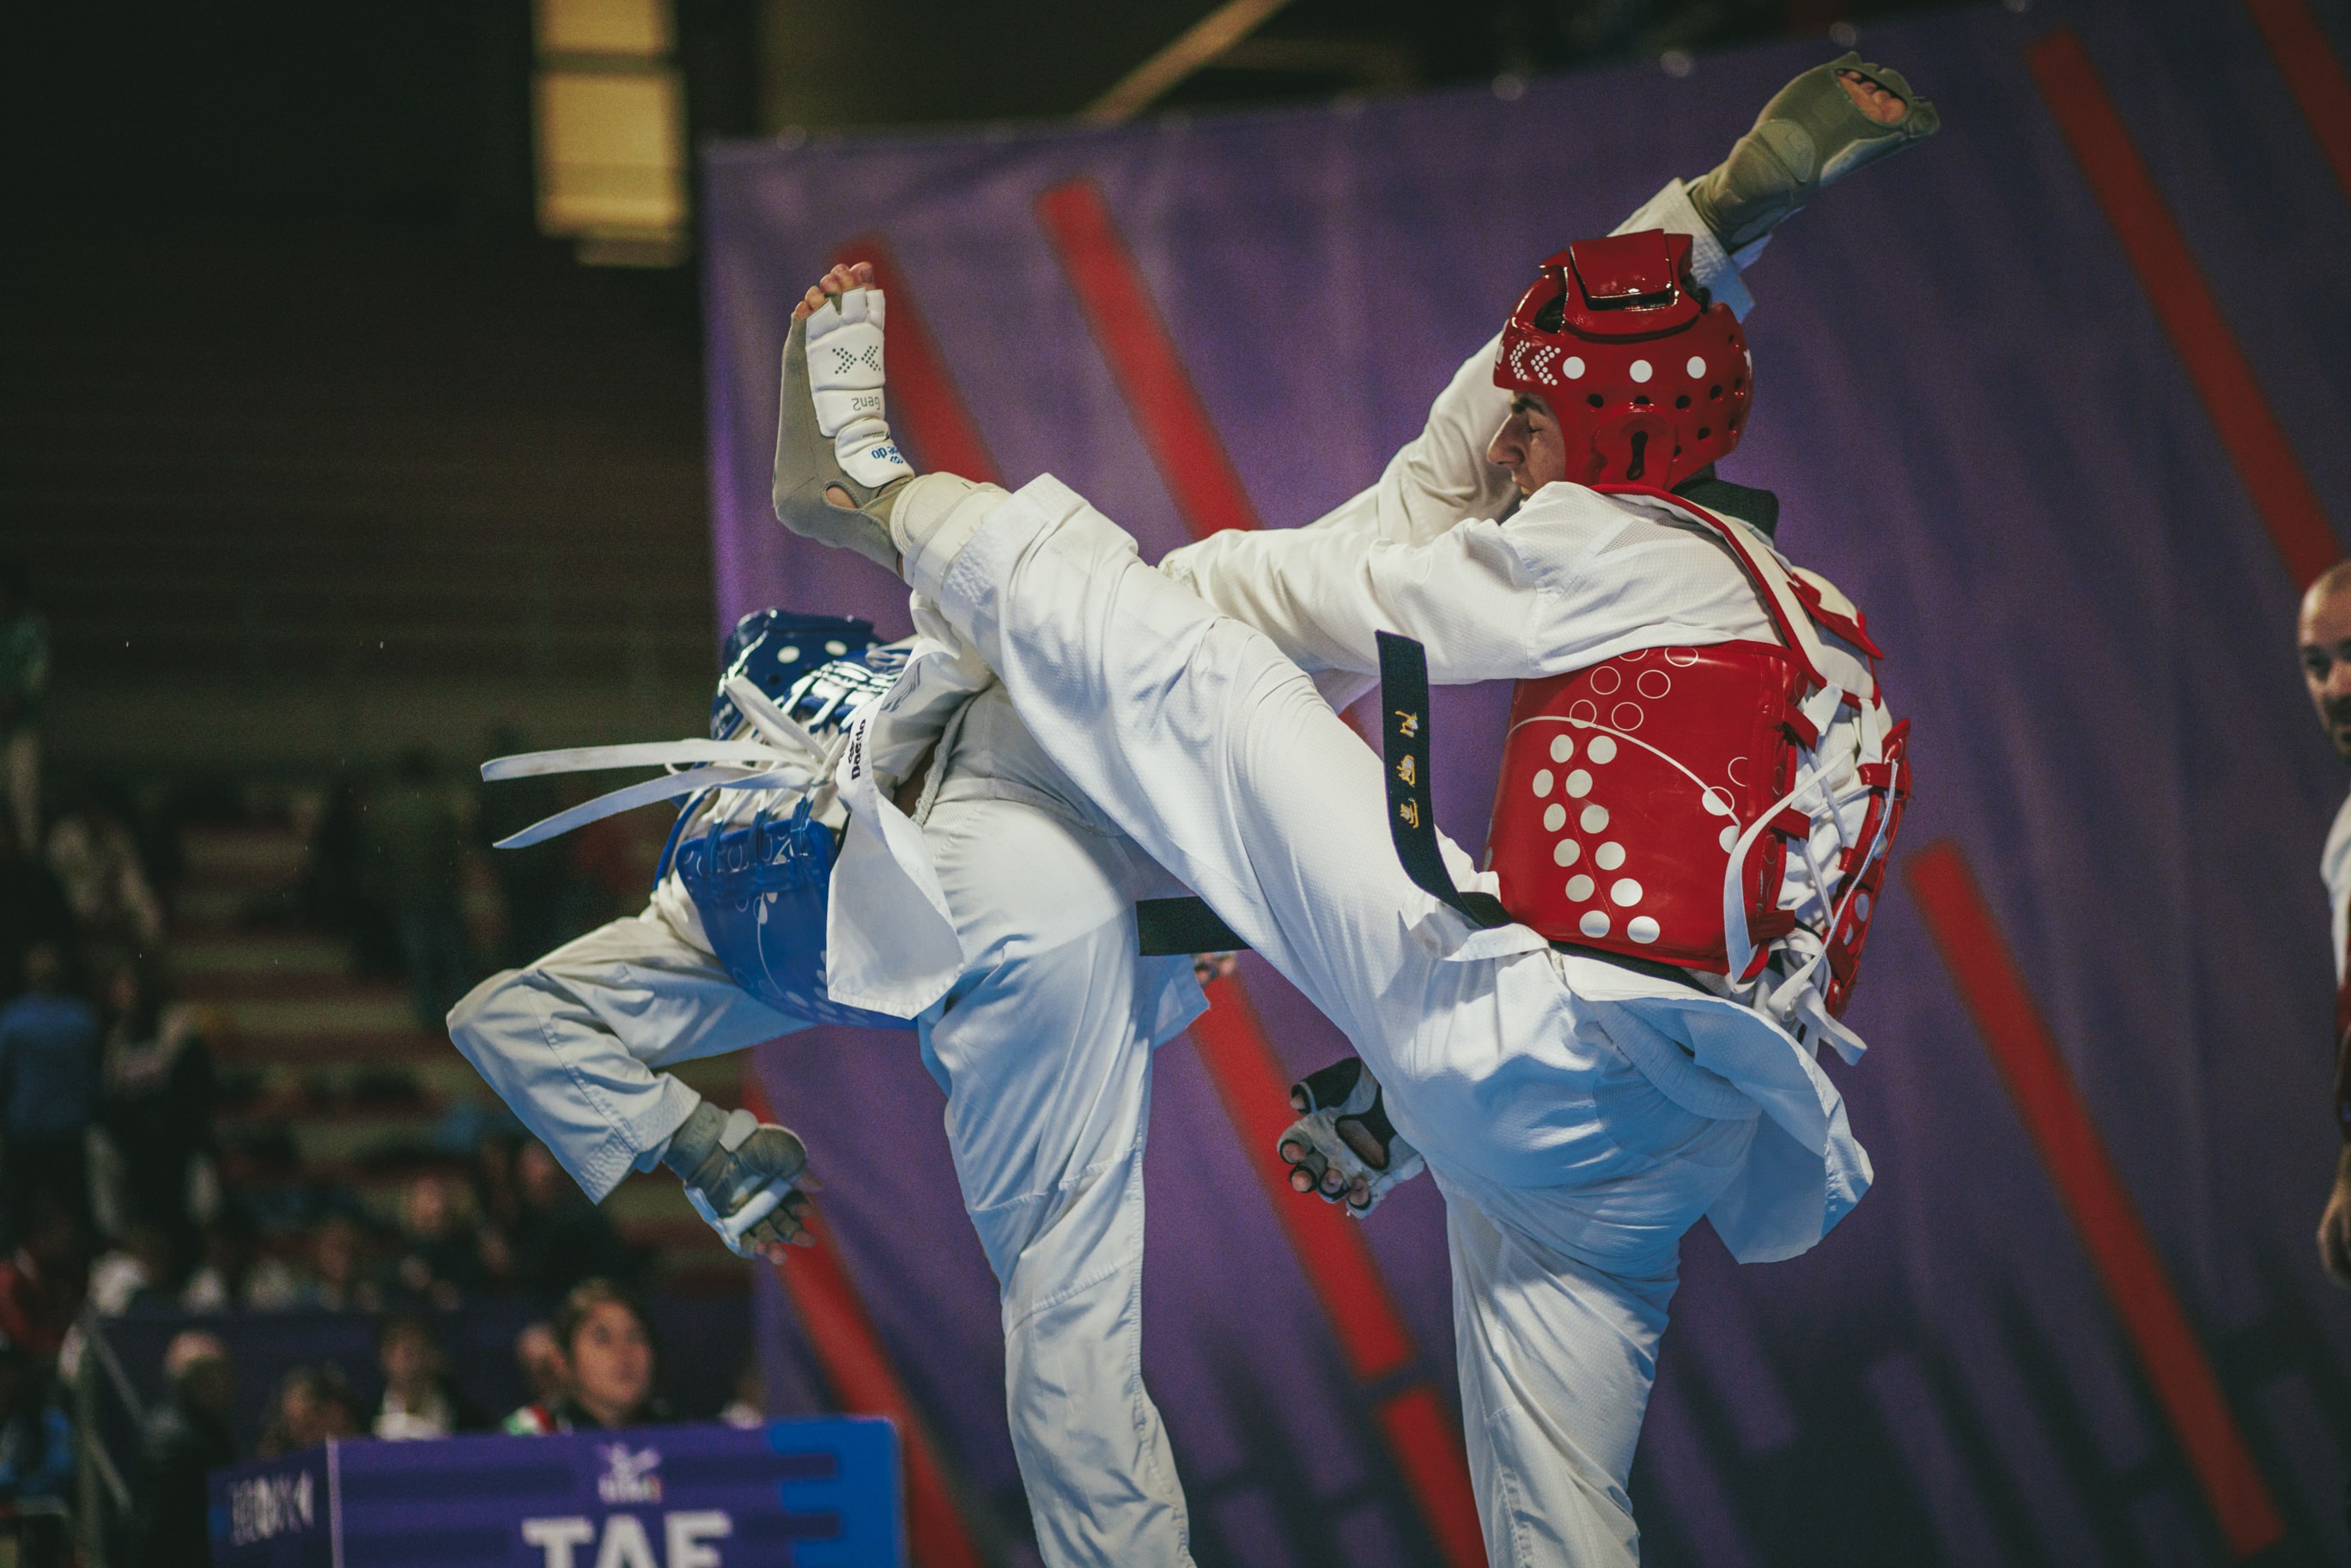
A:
(1576, 577)
(1433, 482)
(1320, 595)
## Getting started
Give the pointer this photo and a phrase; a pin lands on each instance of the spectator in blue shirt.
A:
(49, 1088)
(35, 1439)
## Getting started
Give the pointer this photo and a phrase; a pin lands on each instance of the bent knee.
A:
(480, 1012)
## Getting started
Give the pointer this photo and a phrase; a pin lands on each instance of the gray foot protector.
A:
(739, 1174)
(1346, 1136)
(830, 434)
(1811, 135)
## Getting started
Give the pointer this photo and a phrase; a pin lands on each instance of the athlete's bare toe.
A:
(1872, 99)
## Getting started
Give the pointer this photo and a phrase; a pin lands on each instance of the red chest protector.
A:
(1651, 805)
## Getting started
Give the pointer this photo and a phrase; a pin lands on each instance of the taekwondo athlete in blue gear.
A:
(1038, 1026)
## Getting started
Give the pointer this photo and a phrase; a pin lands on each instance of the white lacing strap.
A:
(1799, 1000)
(666, 788)
(780, 755)
(653, 754)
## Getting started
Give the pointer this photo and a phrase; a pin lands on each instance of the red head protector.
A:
(1648, 381)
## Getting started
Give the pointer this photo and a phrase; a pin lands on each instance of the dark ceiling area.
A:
(292, 390)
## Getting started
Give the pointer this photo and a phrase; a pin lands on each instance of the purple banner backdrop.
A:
(1976, 427)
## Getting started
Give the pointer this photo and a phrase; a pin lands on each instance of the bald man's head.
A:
(2323, 636)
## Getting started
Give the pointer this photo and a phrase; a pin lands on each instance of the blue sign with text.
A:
(812, 1494)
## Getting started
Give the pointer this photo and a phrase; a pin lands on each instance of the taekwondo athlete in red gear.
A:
(1579, 1110)
(2323, 636)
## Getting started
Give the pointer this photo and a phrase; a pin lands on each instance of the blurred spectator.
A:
(24, 681)
(312, 1405)
(183, 1439)
(33, 908)
(607, 1350)
(560, 1238)
(336, 896)
(440, 1263)
(531, 881)
(415, 863)
(41, 1281)
(749, 1405)
(96, 860)
(337, 1282)
(540, 1361)
(419, 1398)
(146, 1268)
(156, 1093)
(606, 876)
(498, 1202)
(36, 1455)
(235, 1274)
(48, 1087)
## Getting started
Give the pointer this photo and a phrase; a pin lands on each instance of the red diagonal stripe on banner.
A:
(1256, 1094)
(1255, 1089)
(1983, 969)
(925, 411)
(2313, 74)
(864, 1378)
(2183, 302)
(1142, 359)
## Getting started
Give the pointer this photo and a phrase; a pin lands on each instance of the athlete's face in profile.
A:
(2325, 636)
(1529, 445)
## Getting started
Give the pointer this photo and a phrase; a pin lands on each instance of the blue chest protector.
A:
(760, 883)
(761, 887)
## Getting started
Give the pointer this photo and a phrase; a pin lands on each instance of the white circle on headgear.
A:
(787, 655)
(1562, 747)
(1579, 888)
(836, 649)
(1609, 856)
(1542, 782)
(1579, 783)
(1554, 816)
(1696, 368)
(1626, 891)
(1642, 929)
(1566, 852)
(1641, 370)
(1595, 818)
(1574, 368)
(1602, 749)
(1593, 923)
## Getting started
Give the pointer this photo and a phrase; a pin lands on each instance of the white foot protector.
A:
(845, 349)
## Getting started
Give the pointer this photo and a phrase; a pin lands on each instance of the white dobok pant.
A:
(1569, 1171)
(1043, 1047)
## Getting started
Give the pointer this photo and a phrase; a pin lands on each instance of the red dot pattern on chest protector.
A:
(1625, 785)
